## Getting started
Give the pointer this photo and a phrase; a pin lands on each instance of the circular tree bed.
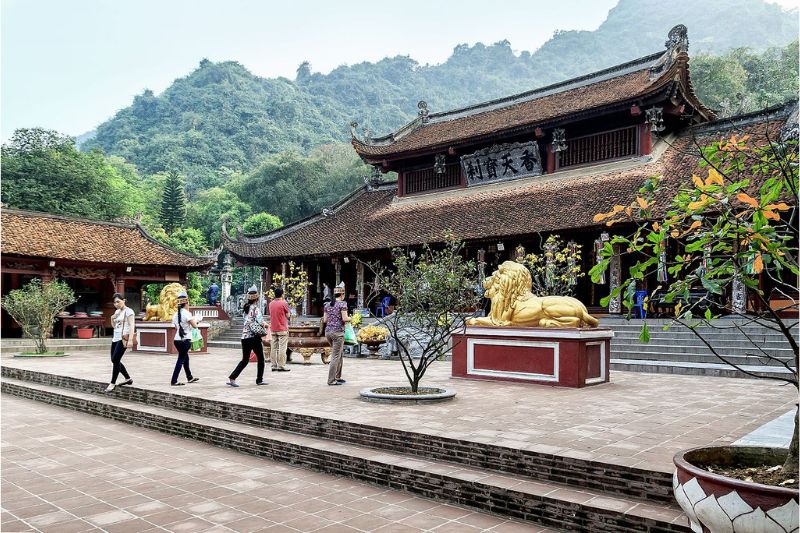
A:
(404, 395)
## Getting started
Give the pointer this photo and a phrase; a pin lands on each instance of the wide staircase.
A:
(564, 492)
(679, 351)
(230, 337)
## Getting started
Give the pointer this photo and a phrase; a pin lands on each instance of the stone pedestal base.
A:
(560, 357)
(157, 337)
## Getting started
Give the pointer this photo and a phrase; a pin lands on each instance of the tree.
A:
(555, 272)
(43, 171)
(208, 209)
(294, 284)
(435, 292)
(35, 306)
(722, 233)
(261, 223)
(173, 203)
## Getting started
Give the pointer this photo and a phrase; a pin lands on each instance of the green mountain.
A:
(221, 119)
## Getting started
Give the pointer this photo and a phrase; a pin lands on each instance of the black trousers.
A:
(183, 359)
(117, 351)
(251, 344)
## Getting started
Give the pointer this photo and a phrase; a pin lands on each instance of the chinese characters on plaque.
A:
(502, 162)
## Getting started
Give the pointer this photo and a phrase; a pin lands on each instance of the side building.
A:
(96, 258)
(505, 174)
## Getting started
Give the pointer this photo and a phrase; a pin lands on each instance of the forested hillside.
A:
(261, 152)
(223, 118)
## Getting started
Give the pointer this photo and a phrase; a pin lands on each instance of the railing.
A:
(608, 145)
(427, 180)
(211, 312)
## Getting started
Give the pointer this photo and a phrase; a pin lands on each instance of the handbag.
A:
(350, 335)
(255, 328)
(197, 340)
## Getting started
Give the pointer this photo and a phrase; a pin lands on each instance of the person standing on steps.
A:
(250, 341)
(334, 318)
(184, 323)
(279, 329)
(124, 324)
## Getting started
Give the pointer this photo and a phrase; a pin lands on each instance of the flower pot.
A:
(85, 333)
(718, 503)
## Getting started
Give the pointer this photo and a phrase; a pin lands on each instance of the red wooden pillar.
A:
(119, 286)
(551, 159)
(645, 139)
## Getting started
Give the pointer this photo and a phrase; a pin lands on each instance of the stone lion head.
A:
(167, 305)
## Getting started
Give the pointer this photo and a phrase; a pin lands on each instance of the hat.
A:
(182, 298)
(252, 293)
(339, 289)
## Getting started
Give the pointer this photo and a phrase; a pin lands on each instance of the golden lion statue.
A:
(513, 303)
(166, 308)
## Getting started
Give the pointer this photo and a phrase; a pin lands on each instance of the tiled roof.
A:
(32, 234)
(374, 220)
(617, 85)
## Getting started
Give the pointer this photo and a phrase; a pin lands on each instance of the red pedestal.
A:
(157, 337)
(558, 357)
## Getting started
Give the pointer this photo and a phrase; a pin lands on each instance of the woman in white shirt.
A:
(124, 323)
(184, 323)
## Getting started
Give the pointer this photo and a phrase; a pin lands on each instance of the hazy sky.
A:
(68, 65)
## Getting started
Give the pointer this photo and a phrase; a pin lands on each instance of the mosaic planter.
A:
(714, 503)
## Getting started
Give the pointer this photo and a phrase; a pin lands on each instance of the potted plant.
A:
(35, 307)
(725, 232)
(433, 289)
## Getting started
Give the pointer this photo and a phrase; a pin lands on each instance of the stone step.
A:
(677, 348)
(696, 369)
(778, 343)
(546, 503)
(611, 479)
(68, 346)
(671, 357)
(679, 331)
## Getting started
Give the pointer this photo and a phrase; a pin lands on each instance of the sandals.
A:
(178, 384)
(193, 380)
(128, 381)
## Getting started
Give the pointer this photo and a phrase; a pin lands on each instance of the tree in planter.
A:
(35, 307)
(555, 272)
(722, 234)
(434, 289)
(294, 283)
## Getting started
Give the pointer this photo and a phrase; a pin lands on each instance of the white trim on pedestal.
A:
(151, 348)
(541, 333)
(472, 371)
(602, 377)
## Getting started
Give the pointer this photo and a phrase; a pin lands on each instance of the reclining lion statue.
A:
(513, 303)
(167, 306)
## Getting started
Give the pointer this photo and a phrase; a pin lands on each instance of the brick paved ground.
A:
(66, 472)
(637, 420)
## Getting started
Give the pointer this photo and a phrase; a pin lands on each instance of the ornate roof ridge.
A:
(68, 218)
(658, 63)
(298, 224)
(124, 225)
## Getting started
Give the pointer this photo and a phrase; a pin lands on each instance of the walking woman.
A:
(251, 342)
(124, 324)
(334, 318)
(184, 323)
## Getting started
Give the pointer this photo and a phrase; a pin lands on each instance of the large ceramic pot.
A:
(373, 347)
(715, 503)
(306, 341)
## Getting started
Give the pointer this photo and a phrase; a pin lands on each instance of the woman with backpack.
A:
(184, 323)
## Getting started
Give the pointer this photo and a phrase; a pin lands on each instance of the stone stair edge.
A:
(618, 477)
(514, 487)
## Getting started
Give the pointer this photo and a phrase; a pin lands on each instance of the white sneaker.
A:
(110, 387)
